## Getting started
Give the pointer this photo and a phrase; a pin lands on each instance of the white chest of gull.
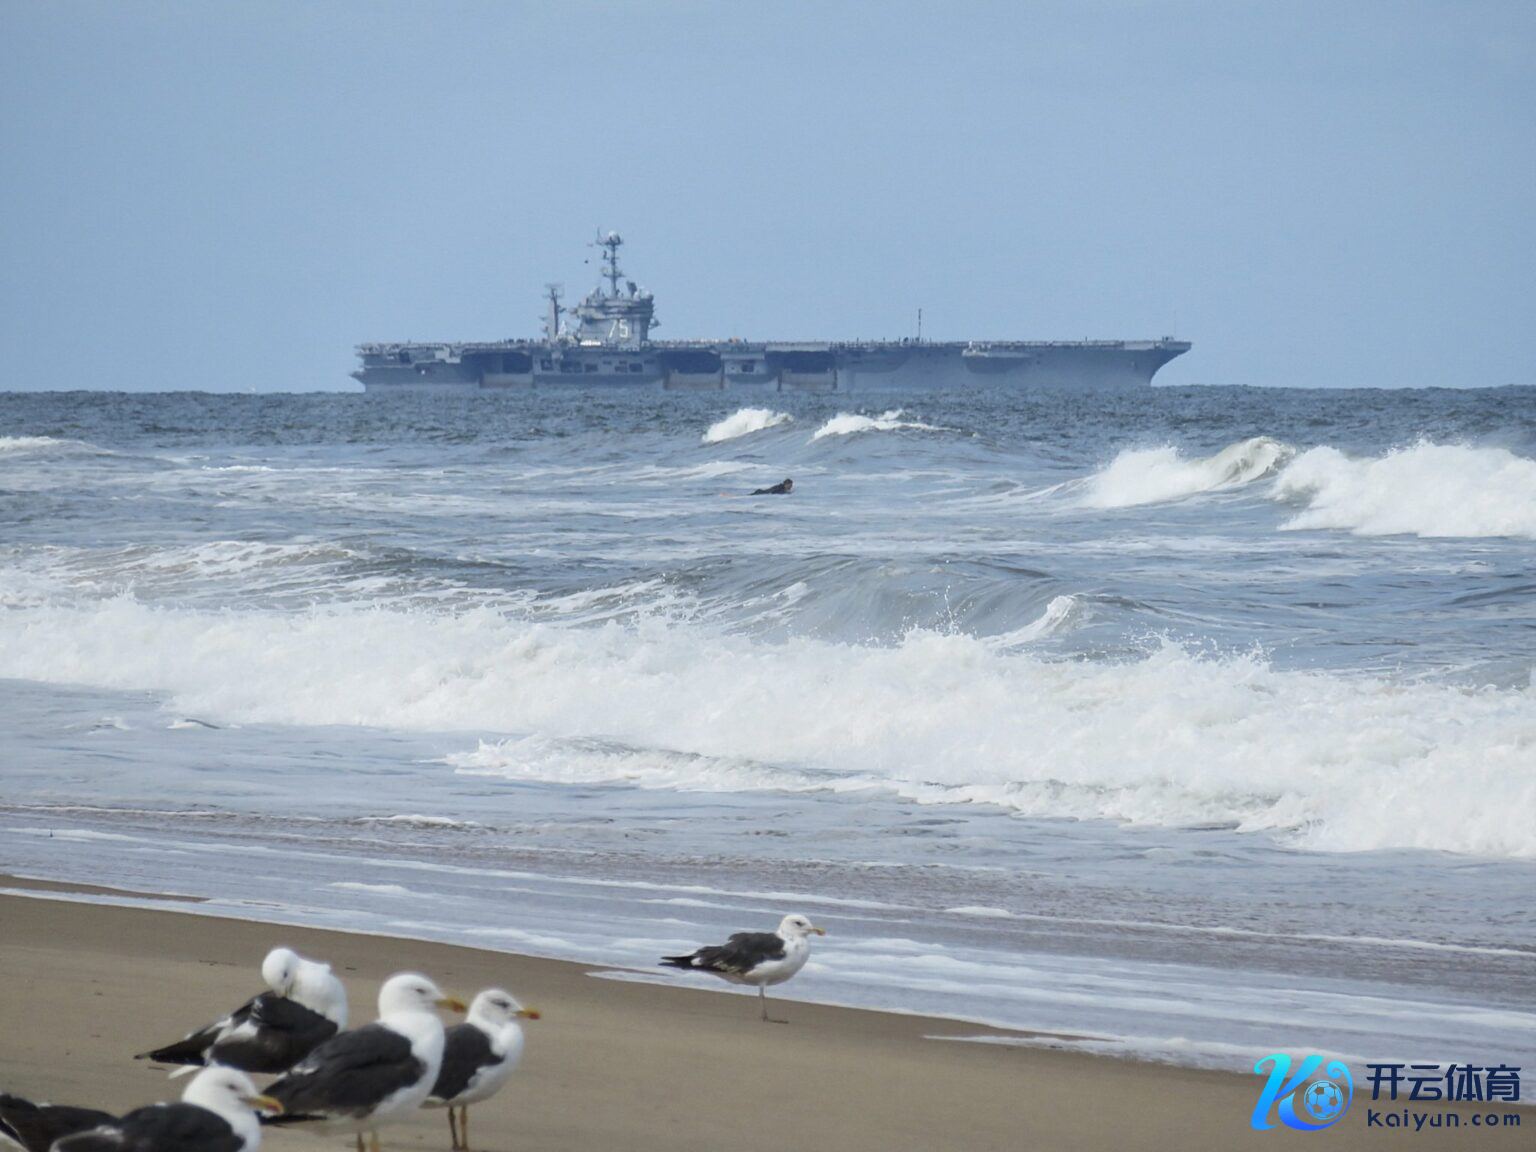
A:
(479, 1056)
(304, 1006)
(214, 1115)
(756, 958)
(361, 1080)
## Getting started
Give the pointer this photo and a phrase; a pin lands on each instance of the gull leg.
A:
(464, 1126)
(453, 1128)
(373, 1140)
(359, 1142)
(762, 992)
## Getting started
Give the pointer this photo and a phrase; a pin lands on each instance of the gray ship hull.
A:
(761, 368)
(609, 345)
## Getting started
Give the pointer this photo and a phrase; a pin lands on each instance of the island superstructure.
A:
(606, 341)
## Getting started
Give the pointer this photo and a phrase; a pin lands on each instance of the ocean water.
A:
(1189, 723)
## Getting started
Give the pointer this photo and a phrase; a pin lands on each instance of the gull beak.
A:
(263, 1104)
(452, 1003)
(528, 1013)
(819, 931)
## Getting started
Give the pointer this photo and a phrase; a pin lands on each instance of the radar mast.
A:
(552, 317)
(611, 244)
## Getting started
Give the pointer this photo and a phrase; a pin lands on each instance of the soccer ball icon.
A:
(1323, 1099)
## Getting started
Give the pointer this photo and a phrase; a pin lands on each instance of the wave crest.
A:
(848, 423)
(1159, 475)
(1426, 490)
(743, 423)
(1062, 613)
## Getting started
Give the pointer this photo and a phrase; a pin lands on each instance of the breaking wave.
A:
(743, 423)
(1061, 613)
(1158, 475)
(1426, 490)
(1174, 738)
(21, 444)
(847, 423)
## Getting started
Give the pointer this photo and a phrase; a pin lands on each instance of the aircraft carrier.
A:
(605, 341)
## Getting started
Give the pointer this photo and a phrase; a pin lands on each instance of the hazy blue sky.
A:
(231, 195)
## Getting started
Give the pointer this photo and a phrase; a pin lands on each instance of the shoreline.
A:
(631, 1065)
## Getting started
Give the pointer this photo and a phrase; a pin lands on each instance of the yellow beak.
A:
(263, 1104)
(452, 1003)
(528, 1013)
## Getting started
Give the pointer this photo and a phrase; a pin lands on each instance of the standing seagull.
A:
(479, 1058)
(214, 1115)
(760, 958)
(273, 1031)
(358, 1081)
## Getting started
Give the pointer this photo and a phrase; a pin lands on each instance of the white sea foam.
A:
(1177, 1050)
(847, 423)
(376, 889)
(419, 821)
(541, 758)
(1158, 475)
(981, 910)
(744, 422)
(795, 593)
(104, 568)
(1425, 490)
(651, 598)
(709, 470)
(1175, 738)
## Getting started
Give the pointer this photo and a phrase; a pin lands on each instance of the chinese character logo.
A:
(1457, 1082)
(1324, 1100)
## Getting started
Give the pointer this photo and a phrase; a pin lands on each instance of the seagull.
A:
(34, 1127)
(478, 1058)
(360, 1080)
(214, 1115)
(273, 1031)
(760, 958)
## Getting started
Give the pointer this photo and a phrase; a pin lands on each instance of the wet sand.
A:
(612, 1065)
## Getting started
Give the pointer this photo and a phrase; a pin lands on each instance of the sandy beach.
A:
(611, 1064)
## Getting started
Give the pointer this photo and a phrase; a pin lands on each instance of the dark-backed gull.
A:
(478, 1058)
(214, 1115)
(359, 1081)
(758, 958)
(275, 1030)
(34, 1127)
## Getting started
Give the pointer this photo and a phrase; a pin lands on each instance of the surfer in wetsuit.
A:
(782, 488)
